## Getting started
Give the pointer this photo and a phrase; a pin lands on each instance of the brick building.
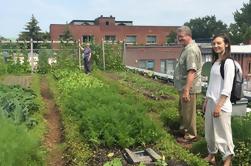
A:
(146, 45)
(157, 58)
(242, 54)
(113, 31)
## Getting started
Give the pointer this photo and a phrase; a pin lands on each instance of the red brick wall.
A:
(246, 59)
(120, 32)
(134, 53)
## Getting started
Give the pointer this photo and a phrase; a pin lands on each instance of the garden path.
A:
(54, 136)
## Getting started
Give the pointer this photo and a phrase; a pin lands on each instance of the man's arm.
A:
(189, 84)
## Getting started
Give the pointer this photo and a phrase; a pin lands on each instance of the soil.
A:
(24, 81)
(54, 136)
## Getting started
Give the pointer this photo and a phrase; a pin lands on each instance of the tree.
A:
(66, 35)
(240, 31)
(32, 30)
(3, 38)
(244, 15)
(171, 38)
(45, 36)
(206, 27)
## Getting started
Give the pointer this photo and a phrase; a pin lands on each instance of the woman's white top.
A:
(217, 86)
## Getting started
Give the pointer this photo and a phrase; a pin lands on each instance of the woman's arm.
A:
(219, 104)
(229, 72)
(81, 48)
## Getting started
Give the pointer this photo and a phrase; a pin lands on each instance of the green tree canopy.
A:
(206, 27)
(32, 30)
(241, 30)
(171, 38)
(2, 38)
(66, 36)
(244, 15)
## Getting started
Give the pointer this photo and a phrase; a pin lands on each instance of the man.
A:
(87, 53)
(187, 80)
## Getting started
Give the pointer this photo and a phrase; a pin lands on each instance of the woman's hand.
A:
(217, 110)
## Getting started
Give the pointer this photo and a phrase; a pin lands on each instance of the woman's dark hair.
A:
(227, 49)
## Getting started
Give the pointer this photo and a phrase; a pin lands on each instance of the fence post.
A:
(31, 54)
(103, 51)
(124, 53)
(79, 55)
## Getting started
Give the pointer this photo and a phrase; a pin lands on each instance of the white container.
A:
(240, 108)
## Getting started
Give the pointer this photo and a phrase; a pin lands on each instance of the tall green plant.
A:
(43, 65)
(113, 55)
(17, 146)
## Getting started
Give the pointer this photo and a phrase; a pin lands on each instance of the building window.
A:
(163, 66)
(88, 38)
(131, 39)
(107, 23)
(167, 66)
(109, 38)
(151, 40)
(249, 67)
(146, 64)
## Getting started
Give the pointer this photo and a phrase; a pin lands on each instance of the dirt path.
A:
(54, 135)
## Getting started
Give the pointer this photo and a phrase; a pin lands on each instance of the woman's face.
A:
(219, 45)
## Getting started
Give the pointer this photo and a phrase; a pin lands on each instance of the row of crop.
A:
(21, 130)
(155, 109)
(169, 116)
(104, 117)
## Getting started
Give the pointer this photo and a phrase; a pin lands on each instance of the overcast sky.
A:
(14, 14)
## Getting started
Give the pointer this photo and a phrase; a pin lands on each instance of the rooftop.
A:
(241, 49)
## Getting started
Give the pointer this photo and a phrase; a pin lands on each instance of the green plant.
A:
(18, 105)
(43, 65)
(17, 146)
(114, 162)
(242, 139)
(113, 56)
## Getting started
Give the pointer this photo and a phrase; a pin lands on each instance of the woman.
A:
(217, 106)
(87, 53)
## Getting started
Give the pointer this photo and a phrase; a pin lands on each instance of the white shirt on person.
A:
(217, 86)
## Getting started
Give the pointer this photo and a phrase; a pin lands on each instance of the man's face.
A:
(183, 38)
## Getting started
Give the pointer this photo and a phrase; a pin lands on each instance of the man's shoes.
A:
(187, 139)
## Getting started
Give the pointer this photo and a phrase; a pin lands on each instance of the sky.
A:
(14, 14)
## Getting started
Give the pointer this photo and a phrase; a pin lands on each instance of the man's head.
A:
(87, 44)
(184, 35)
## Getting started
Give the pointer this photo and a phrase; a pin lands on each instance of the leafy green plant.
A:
(18, 104)
(17, 146)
